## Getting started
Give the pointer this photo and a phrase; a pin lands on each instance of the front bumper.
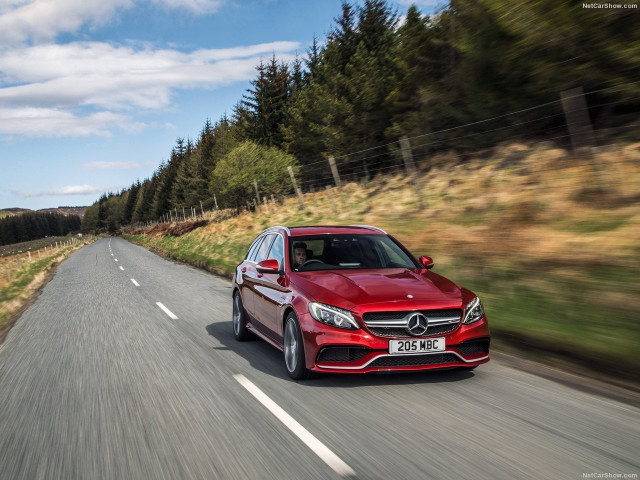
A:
(333, 350)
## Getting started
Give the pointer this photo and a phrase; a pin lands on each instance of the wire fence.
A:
(415, 155)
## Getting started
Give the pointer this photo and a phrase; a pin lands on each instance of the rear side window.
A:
(254, 247)
(263, 250)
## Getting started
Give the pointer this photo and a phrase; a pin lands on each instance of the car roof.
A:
(335, 229)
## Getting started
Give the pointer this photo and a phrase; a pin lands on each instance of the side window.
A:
(263, 250)
(277, 250)
(254, 248)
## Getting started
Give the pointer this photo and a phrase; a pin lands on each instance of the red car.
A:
(352, 300)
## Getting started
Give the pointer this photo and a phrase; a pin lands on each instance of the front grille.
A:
(402, 332)
(415, 360)
(430, 314)
(341, 354)
(472, 347)
(393, 324)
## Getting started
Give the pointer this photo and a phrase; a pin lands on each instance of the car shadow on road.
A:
(269, 360)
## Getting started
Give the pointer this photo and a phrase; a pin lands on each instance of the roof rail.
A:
(278, 226)
(370, 228)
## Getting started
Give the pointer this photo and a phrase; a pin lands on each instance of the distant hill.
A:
(79, 211)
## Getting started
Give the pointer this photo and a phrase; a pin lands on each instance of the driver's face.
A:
(300, 255)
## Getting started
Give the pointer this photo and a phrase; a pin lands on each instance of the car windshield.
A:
(332, 252)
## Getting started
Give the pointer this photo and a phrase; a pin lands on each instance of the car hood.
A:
(352, 289)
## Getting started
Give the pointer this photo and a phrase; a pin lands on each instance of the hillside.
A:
(548, 239)
(79, 211)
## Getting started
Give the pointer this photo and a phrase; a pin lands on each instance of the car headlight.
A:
(334, 316)
(473, 312)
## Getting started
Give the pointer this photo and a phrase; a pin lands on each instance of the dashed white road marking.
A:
(167, 311)
(302, 433)
(116, 259)
(134, 282)
(121, 268)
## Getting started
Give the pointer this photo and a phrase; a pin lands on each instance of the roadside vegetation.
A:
(26, 270)
(549, 240)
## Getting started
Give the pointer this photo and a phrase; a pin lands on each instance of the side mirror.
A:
(268, 266)
(427, 262)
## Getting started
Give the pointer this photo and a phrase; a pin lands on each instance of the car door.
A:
(250, 275)
(271, 294)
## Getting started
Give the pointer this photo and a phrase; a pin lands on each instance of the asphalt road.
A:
(98, 381)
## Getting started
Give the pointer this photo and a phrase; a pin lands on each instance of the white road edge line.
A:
(121, 268)
(134, 282)
(167, 311)
(319, 448)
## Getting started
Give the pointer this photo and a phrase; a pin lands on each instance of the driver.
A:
(299, 254)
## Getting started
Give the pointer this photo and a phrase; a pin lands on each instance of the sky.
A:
(94, 93)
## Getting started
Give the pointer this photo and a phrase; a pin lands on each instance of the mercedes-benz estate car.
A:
(352, 299)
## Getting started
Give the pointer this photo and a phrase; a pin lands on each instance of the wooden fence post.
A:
(295, 187)
(255, 185)
(576, 113)
(334, 172)
(407, 156)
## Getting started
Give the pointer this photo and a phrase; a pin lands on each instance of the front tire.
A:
(239, 319)
(294, 349)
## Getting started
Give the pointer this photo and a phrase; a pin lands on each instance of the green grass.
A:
(603, 223)
(565, 314)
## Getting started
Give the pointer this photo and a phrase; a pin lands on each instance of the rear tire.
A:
(294, 358)
(239, 319)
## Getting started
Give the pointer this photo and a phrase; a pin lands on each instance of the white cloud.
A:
(112, 165)
(49, 122)
(43, 87)
(69, 190)
(42, 20)
(198, 7)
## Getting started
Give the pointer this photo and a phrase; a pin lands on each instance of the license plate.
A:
(403, 347)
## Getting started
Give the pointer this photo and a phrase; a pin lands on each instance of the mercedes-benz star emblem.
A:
(417, 324)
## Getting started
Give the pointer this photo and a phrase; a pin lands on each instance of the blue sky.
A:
(94, 93)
